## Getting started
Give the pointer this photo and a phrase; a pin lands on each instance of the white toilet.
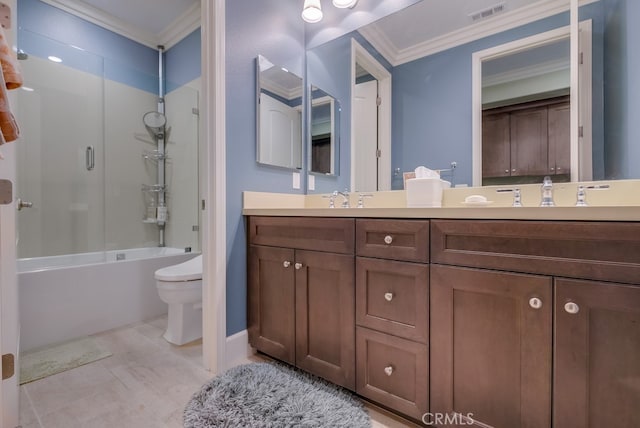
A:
(180, 286)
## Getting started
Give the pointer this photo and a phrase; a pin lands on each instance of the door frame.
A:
(580, 160)
(360, 55)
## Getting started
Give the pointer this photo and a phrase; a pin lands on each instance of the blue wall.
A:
(275, 30)
(45, 30)
(622, 89)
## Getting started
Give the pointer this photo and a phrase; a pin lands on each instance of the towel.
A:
(10, 78)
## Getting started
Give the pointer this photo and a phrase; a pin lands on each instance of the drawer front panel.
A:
(393, 297)
(392, 371)
(334, 235)
(605, 251)
(393, 239)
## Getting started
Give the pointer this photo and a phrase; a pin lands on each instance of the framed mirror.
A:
(324, 132)
(279, 115)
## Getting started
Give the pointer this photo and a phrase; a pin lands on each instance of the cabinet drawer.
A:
(393, 239)
(392, 371)
(393, 297)
(608, 251)
(334, 235)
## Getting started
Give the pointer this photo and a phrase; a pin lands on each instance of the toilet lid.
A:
(188, 271)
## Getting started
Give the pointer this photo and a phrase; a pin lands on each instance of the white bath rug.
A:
(42, 362)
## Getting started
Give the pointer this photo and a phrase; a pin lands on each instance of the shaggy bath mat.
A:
(272, 395)
(42, 362)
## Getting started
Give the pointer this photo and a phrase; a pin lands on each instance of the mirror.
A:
(279, 115)
(324, 129)
(521, 111)
(432, 87)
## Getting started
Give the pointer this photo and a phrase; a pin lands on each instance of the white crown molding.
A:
(497, 24)
(181, 27)
(526, 72)
(280, 90)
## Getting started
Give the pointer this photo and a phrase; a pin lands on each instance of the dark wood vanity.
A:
(516, 323)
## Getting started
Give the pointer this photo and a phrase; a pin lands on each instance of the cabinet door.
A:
(597, 358)
(496, 145)
(491, 346)
(529, 142)
(559, 139)
(271, 301)
(325, 316)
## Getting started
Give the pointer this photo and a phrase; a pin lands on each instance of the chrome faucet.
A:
(547, 193)
(345, 197)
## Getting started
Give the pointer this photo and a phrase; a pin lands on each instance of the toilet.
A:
(180, 286)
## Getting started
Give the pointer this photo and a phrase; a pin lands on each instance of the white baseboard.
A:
(238, 349)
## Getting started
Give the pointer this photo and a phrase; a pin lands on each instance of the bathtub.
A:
(69, 296)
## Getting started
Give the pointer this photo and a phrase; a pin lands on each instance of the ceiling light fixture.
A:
(54, 58)
(343, 4)
(312, 11)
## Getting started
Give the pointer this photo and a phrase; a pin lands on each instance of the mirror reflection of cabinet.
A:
(279, 118)
(324, 129)
(526, 141)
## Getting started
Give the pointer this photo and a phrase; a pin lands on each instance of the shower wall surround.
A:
(96, 97)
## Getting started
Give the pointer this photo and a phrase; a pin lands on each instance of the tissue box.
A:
(425, 192)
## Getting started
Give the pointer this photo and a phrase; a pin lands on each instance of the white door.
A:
(366, 136)
(8, 290)
(280, 133)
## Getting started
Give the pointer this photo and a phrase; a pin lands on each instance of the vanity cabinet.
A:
(511, 298)
(392, 313)
(301, 303)
(530, 139)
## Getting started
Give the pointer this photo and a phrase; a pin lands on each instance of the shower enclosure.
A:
(86, 162)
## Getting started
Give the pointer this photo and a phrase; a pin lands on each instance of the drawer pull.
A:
(286, 263)
(388, 297)
(571, 308)
(388, 370)
(388, 239)
(298, 266)
(535, 303)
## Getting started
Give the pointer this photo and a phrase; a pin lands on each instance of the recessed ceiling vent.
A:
(488, 12)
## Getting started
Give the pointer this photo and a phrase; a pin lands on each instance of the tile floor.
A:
(145, 384)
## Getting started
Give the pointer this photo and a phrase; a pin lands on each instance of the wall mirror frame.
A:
(580, 154)
(324, 130)
(278, 115)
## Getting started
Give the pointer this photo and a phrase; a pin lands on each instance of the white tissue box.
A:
(425, 192)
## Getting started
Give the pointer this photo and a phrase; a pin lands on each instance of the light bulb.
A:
(343, 4)
(312, 11)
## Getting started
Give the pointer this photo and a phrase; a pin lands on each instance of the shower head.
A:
(155, 122)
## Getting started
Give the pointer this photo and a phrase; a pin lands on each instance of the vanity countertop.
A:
(392, 204)
(496, 213)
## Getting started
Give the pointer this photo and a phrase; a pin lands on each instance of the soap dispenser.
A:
(546, 189)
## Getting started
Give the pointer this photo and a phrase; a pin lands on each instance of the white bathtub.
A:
(65, 297)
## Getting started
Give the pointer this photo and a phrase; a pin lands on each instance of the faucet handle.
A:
(581, 196)
(332, 199)
(361, 197)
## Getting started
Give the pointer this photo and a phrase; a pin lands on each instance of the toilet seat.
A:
(190, 270)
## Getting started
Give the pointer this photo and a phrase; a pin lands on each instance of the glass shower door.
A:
(61, 151)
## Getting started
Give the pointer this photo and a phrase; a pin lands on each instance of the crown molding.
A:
(497, 24)
(526, 72)
(179, 28)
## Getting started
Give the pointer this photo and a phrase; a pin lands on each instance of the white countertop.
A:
(605, 205)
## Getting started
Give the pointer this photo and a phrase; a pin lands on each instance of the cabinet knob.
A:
(286, 263)
(571, 308)
(298, 266)
(388, 370)
(513, 170)
(535, 303)
(388, 239)
(388, 297)
(552, 169)
(506, 171)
